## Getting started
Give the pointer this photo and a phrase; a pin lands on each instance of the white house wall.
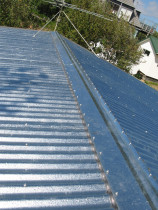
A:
(148, 64)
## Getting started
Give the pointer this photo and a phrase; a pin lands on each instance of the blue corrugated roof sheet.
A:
(57, 150)
(46, 158)
(132, 104)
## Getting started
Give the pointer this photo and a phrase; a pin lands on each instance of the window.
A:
(146, 52)
(125, 13)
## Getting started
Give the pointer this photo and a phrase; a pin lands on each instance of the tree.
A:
(25, 13)
(17, 13)
(141, 36)
(116, 37)
(155, 34)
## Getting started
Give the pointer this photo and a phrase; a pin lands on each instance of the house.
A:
(148, 64)
(126, 8)
(75, 131)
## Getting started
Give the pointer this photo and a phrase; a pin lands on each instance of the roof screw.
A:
(113, 202)
(77, 96)
(150, 175)
(116, 193)
(139, 158)
(122, 131)
(93, 138)
(88, 125)
(80, 104)
(100, 167)
(93, 149)
(107, 172)
(130, 143)
(108, 188)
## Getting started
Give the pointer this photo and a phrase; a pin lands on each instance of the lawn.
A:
(152, 84)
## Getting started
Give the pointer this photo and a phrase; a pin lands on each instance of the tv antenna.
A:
(60, 4)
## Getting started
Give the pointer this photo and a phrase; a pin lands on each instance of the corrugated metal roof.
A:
(134, 108)
(57, 150)
(47, 159)
(154, 41)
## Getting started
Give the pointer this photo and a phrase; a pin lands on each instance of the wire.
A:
(79, 34)
(58, 19)
(45, 25)
(61, 5)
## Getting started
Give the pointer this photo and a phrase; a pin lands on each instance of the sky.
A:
(149, 10)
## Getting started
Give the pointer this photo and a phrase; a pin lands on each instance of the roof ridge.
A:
(133, 159)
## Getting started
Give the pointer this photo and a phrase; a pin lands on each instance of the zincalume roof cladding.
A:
(57, 150)
(133, 104)
(46, 159)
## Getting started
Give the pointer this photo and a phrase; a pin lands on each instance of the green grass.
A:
(152, 84)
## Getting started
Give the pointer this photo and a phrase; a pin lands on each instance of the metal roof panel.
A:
(56, 148)
(46, 158)
(133, 110)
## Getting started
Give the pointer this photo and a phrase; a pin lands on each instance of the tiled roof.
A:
(57, 148)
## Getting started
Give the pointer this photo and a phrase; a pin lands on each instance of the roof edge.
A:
(135, 163)
(152, 41)
(146, 39)
(150, 38)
